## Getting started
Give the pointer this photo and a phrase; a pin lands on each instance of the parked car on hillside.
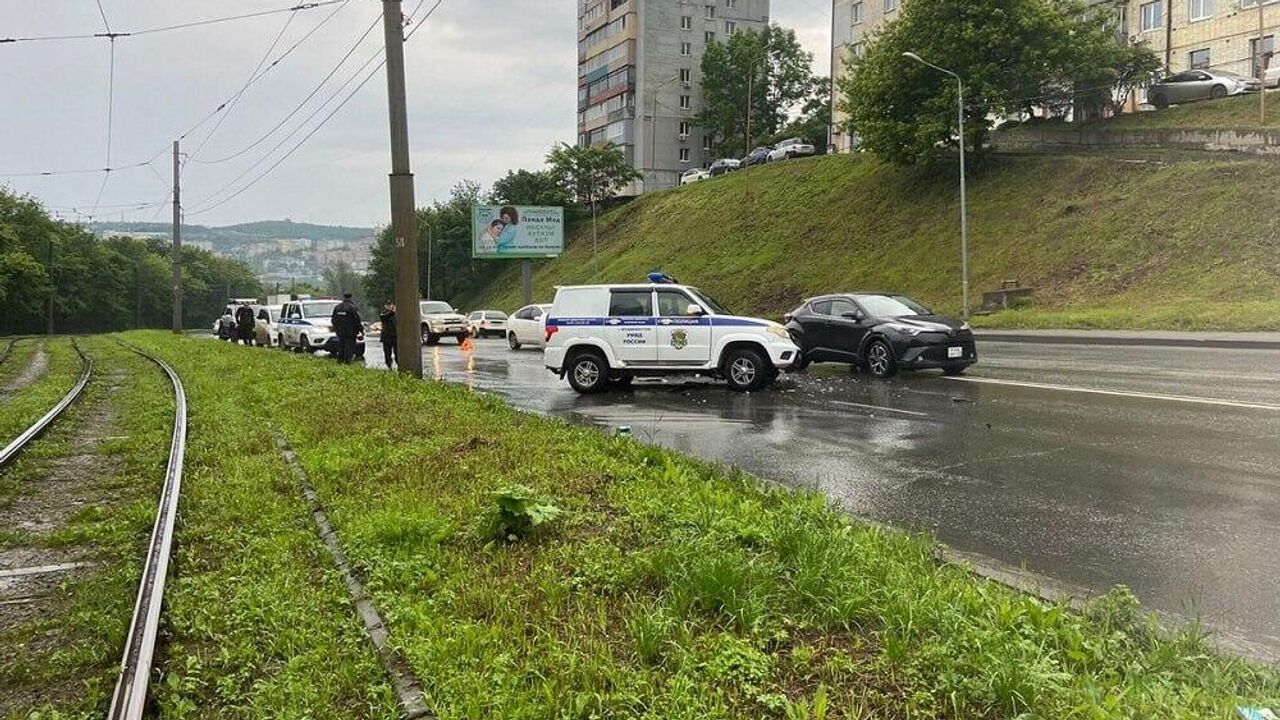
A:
(880, 332)
(1193, 85)
(488, 322)
(759, 156)
(1271, 78)
(724, 165)
(790, 148)
(528, 326)
(694, 175)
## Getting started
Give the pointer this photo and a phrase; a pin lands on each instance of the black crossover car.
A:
(880, 332)
(332, 346)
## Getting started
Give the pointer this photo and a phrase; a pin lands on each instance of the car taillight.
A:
(551, 330)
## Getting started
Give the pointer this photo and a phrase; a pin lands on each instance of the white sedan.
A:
(694, 175)
(790, 148)
(528, 326)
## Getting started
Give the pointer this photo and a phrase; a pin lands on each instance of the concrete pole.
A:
(526, 282)
(404, 219)
(48, 328)
(964, 207)
(1262, 69)
(177, 241)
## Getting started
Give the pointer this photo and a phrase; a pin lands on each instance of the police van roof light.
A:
(661, 278)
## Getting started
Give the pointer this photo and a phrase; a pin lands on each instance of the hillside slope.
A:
(1107, 243)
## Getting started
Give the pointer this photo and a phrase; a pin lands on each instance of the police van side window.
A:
(673, 304)
(630, 303)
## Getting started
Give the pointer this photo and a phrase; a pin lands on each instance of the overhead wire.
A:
(111, 103)
(177, 26)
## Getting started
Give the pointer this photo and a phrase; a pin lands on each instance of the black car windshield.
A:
(436, 308)
(891, 305)
(710, 302)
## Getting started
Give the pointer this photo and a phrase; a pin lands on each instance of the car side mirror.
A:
(856, 316)
(695, 310)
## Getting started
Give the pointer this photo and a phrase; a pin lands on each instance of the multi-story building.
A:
(639, 63)
(1216, 34)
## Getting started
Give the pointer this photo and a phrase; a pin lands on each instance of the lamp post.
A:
(964, 208)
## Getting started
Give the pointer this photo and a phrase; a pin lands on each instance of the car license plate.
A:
(955, 352)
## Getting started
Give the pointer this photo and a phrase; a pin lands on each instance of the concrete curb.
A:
(1241, 341)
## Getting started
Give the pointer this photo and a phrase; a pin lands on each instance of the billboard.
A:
(516, 231)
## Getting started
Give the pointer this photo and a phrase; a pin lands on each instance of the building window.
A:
(709, 37)
(615, 4)
(684, 155)
(707, 141)
(686, 75)
(1259, 59)
(731, 3)
(859, 50)
(686, 49)
(684, 102)
(1201, 9)
(730, 27)
(686, 22)
(1152, 16)
(684, 129)
(710, 12)
(890, 5)
(1199, 59)
(856, 11)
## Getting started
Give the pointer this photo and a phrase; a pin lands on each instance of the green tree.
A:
(814, 120)
(590, 174)
(775, 67)
(1014, 56)
(341, 278)
(526, 187)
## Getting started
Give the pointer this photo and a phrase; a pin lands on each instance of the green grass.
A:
(654, 586)
(28, 404)
(1232, 112)
(1120, 242)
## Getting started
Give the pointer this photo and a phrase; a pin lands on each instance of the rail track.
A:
(15, 446)
(130, 697)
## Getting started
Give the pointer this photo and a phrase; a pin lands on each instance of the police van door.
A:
(629, 327)
(683, 338)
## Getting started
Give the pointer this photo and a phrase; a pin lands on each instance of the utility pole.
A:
(1262, 69)
(404, 219)
(177, 242)
(53, 290)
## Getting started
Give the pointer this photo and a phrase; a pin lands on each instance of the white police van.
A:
(305, 325)
(603, 334)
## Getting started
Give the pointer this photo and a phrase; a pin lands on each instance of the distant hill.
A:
(232, 235)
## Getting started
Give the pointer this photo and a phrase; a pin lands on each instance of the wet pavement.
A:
(1156, 468)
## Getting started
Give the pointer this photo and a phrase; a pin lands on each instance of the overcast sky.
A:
(491, 84)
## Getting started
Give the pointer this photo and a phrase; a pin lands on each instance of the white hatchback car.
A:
(528, 326)
(603, 334)
(487, 322)
(694, 175)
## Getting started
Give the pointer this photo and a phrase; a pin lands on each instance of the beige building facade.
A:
(853, 25)
(1205, 34)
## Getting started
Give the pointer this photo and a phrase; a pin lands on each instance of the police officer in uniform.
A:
(388, 319)
(246, 324)
(346, 325)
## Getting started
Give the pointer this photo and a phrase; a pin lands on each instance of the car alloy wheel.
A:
(880, 359)
(745, 371)
(1217, 91)
(588, 373)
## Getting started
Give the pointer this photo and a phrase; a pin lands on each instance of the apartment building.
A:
(638, 78)
(1213, 34)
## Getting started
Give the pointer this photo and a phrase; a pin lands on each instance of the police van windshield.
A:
(320, 309)
(710, 303)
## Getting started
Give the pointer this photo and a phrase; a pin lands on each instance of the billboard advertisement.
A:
(516, 231)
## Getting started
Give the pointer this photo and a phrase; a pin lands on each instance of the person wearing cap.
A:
(346, 325)
(388, 319)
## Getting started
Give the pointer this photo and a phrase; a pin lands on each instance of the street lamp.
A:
(964, 209)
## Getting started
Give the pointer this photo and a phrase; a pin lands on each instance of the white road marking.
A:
(846, 403)
(1120, 393)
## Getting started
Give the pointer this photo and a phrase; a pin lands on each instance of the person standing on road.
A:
(346, 325)
(388, 319)
(246, 324)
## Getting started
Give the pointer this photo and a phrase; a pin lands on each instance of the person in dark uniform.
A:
(346, 325)
(246, 324)
(388, 319)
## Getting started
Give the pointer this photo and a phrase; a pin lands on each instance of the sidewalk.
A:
(1234, 340)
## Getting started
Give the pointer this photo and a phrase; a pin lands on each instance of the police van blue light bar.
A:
(661, 278)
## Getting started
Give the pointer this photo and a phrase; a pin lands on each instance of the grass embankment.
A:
(28, 403)
(105, 456)
(1190, 245)
(1239, 112)
(665, 588)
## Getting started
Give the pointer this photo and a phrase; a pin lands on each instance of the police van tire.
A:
(304, 345)
(746, 370)
(512, 341)
(588, 372)
(280, 342)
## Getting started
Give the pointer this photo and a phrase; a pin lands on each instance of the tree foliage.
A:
(590, 174)
(102, 285)
(1014, 56)
(814, 120)
(529, 187)
(775, 66)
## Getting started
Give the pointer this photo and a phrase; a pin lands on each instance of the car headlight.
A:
(905, 329)
(778, 330)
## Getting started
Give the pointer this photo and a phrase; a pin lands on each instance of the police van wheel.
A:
(512, 341)
(588, 373)
(280, 342)
(746, 370)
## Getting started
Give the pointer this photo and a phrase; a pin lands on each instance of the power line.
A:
(167, 28)
(103, 13)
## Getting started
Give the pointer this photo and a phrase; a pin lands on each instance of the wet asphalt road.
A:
(1156, 468)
